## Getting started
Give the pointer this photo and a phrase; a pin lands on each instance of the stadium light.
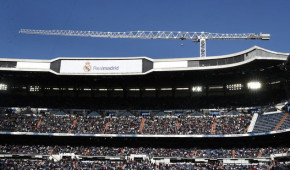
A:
(134, 89)
(215, 87)
(182, 88)
(150, 89)
(164, 89)
(196, 89)
(34, 88)
(275, 82)
(254, 85)
(232, 87)
(3, 87)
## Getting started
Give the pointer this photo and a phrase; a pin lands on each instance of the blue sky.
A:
(240, 16)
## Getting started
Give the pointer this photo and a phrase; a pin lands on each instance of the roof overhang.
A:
(138, 65)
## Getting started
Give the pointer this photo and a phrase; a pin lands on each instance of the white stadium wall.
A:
(171, 64)
(33, 65)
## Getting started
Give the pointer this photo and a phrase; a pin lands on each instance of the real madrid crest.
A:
(87, 67)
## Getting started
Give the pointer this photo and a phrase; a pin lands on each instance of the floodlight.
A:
(232, 87)
(254, 85)
(182, 88)
(134, 89)
(118, 90)
(196, 89)
(165, 89)
(3, 87)
(150, 89)
(34, 88)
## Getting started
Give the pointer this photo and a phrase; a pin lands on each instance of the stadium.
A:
(218, 112)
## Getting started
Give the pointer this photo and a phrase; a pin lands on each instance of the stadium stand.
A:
(40, 156)
(182, 125)
(286, 123)
(191, 113)
(76, 164)
(26, 150)
(267, 122)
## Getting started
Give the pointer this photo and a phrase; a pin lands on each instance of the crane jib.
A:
(178, 35)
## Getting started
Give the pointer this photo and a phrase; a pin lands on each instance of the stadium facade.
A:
(136, 111)
(195, 82)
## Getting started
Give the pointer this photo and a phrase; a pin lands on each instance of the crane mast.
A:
(200, 37)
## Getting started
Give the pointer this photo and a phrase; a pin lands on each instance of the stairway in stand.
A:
(177, 127)
(38, 124)
(281, 121)
(75, 122)
(213, 127)
(260, 153)
(142, 125)
(107, 126)
(234, 154)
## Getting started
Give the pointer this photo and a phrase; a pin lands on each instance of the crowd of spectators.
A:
(66, 162)
(124, 125)
(59, 165)
(17, 123)
(197, 125)
(95, 125)
(78, 164)
(181, 125)
(229, 125)
(151, 152)
(54, 124)
(160, 125)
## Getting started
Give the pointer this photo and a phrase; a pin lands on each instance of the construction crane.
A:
(200, 37)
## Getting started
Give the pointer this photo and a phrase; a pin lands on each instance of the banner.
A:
(101, 66)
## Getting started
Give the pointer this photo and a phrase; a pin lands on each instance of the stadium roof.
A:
(141, 65)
